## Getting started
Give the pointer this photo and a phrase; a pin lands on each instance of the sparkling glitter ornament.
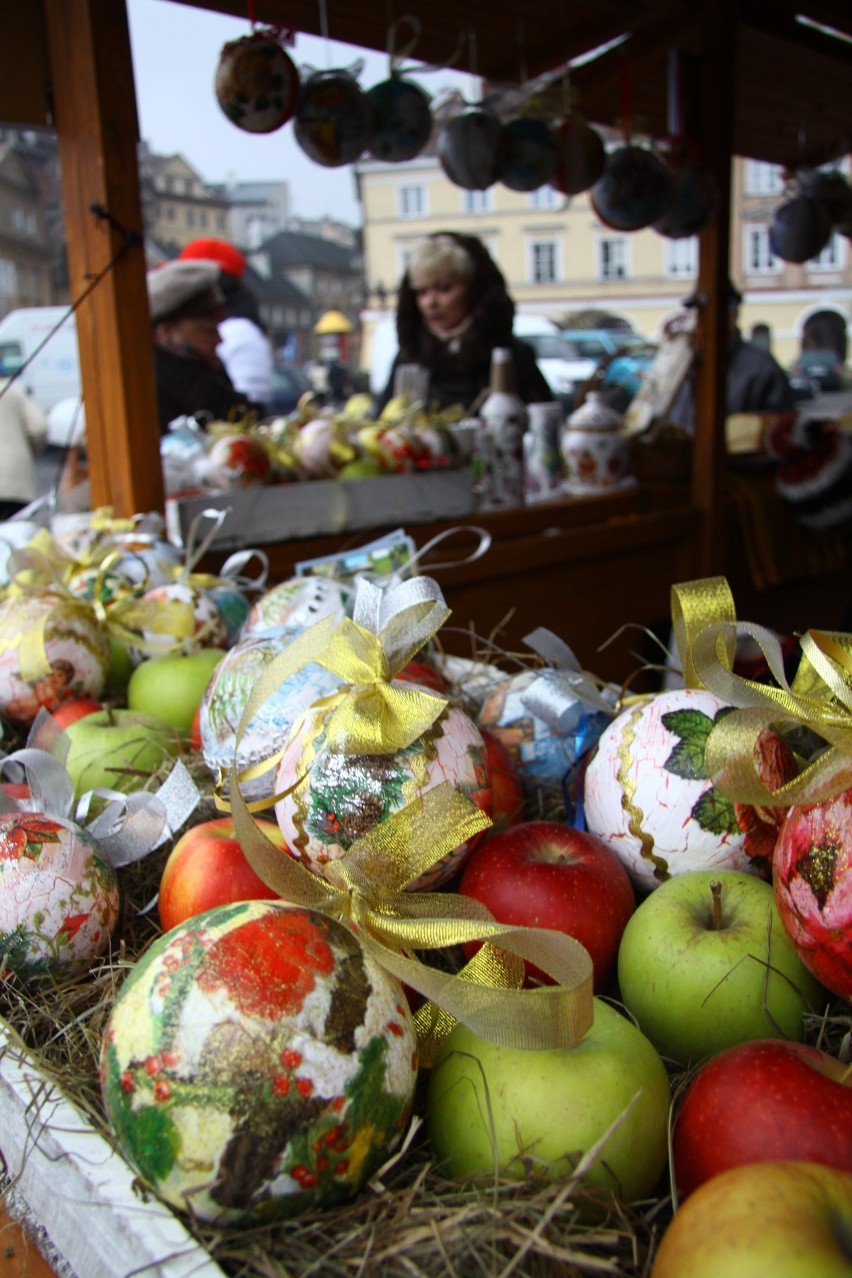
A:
(812, 874)
(58, 895)
(647, 793)
(258, 1064)
(338, 797)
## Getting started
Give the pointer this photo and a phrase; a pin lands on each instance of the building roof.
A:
(294, 248)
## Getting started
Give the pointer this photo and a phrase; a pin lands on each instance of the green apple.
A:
(171, 686)
(780, 1219)
(702, 967)
(118, 749)
(498, 1108)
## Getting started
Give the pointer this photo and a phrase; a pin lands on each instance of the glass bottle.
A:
(504, 420)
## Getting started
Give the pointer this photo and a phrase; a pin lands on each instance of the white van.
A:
(44, 338)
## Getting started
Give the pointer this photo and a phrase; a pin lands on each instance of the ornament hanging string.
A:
(626, 103)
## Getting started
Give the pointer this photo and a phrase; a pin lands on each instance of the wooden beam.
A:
(98, 132)
(715, 124)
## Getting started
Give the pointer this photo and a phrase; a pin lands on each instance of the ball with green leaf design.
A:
(647, 793)
(257, 1064)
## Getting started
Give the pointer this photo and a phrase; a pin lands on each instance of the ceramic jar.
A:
(595, 450)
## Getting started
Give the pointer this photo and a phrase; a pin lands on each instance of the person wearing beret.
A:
(453, 309)
(187, 304)
(244, 347)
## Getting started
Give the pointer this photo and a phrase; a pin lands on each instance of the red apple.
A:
(544, 874)
(762, 1101)
(208, 867)
(507, 792)
(812, 876)
(424, 673)
(195, 731)
(66, 713)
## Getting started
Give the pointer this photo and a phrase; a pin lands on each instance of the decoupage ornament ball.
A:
(800, 229)
(812, 876)
(76, 649)
(58, 896)
(237, 460)
(647, 793)
(297, 603)
(581, 155)
(335, 798)
(634, 189)
(332, 123)
(470, 149)
(209, 628)
(257, 1064)
(226, 697)
(256, 83)
(401, 120)
(544, 752)
(693, 205)
(529, 154)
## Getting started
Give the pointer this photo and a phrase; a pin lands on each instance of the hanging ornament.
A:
(580, 155)
(799, 230)
(332, 123)
(529, 154)
(257, 84)
(832, 191)
(633, 191)
(401, 120)
(470, 149)
(694, 195)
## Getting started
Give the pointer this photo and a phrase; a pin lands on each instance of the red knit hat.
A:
(228, 258)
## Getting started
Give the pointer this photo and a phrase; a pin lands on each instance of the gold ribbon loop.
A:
(694, 605)
(819, 699)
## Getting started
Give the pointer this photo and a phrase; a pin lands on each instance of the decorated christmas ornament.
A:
(800, 229)
(226, 697)
(829, 188)
(812, 875)
(208, 625)
(332, 123)
(647, 793)
(634, 189)
(580, 155)
(237, 460)
(257, 1064)
(58, 895)
(543, 724)
(257, 85)
(52, 649)
(529, 154)
(470, 149)
(297, 603)
(401, 120)
(336, 797)
(694, 200)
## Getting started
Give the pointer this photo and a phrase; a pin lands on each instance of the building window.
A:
(220, 221)
(762, 178)
(190, 217)
(170, 212)
(546, 197)
(8, 282)
(612, 257)
(202, 218)
(832, 257)
(682, 258)
(412, 201)
(544, 261)
(478, 201)
(759, 258)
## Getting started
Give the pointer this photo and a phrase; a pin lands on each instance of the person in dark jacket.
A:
(187, 304)
(453, 309)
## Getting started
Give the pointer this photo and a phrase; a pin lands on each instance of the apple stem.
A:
(716, 892)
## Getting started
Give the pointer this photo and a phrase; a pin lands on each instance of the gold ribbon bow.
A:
(367, 888)
(818, 699)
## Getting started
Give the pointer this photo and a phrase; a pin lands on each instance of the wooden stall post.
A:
(92, 81)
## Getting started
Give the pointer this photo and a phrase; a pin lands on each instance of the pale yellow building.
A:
(558, 257)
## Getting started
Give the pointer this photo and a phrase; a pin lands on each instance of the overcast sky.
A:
(176, 50)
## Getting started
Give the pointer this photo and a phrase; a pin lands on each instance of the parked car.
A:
(289, 383)
(561, 364)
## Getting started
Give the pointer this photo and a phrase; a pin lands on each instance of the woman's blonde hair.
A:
(439, 257)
